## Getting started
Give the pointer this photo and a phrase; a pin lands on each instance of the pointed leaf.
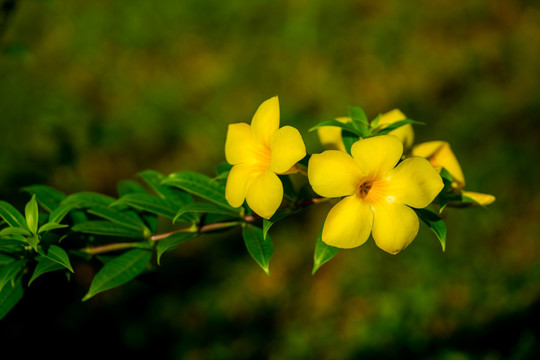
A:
(153, 179)
(58, 255)
(10, 296)
(32, 215)
(323, 253)
(125, 219)
(279, 215)
(259, 248)
(359, 120)
(129, 187)
(172, 241)
(44, 265)
(345, 126)
(89, 199)
(48, 197)
(119, 271)
(199, 185)
(58, 214)
(100, 227)
(33, 241)
(14, 231)
(9, 272)
(435, 223)
(51, 226)
(385, 129)
(12, 216)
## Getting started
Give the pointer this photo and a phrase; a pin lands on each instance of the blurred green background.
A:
(93, 92)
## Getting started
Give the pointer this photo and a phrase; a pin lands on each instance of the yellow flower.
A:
(330, 136)
(378, 194)
(257, 153)
(441, 155)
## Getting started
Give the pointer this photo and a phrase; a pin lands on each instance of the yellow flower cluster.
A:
(378, 187)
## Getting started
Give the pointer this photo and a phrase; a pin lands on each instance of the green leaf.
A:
(279, 215)
(201, 207)
(259, 248)
(359, 120)
(58, 255)
(153, 179)
(222, 169)
(385, 129)
(14, 231)
(119, 271)
(44, 265)
(172, 241)
(150, 203)
(348, 140)
(48, 197)
(128, 220)
(33, 241)
(88, 199)
(10, 296)
(12, 216)
(9, 272)
(58, 214)
(323, 253)
(199, 185)
(435, 223)
(32, 214)
(50, 226)
(345, 126)
(129, 187)
(100, 227)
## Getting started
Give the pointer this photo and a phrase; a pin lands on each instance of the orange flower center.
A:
(371, 190)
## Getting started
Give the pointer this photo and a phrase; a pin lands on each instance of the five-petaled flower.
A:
(258, 153)
(440, 155)
(378, 195)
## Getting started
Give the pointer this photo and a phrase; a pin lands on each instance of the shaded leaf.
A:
(150, 203)
(345, 126)
(101, 227)
(129, 187)
(58, 214)
(385, 129)
(128, 220)
(58, 255)
(323, 253)
(199, 185)
(9, 272)
(172, 241)
(435, 223)
(10, 296)
(259, 248)
(48, 197)
(201, 207)
(119, 271)
(44, 265)
(153, 179)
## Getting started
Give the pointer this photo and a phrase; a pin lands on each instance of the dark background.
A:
(92, 92)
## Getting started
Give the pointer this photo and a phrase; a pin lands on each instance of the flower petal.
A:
(240, 146)
(264, 194)
(480, 198)
(394, 226)
(265, 122)
(237, 183)
(377, 155)
(348, 223)
(405, 133)
(286, 148)
(333, 174)
(440, 155)
(330, 136)
(414, 182)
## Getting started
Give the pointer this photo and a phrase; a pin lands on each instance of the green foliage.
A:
(172, 241)
(10, 296)
(149, 203)
(118, 271)
(48, 197)
(323, 253)
(12, 216)
(435, 223)
(259, 247)
(199, 185)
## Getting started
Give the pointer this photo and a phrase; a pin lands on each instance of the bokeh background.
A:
(92, 92)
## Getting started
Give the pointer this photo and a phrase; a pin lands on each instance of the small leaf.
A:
(209, 208)
(435, 223)
(33, 241)
(359, 120)
(345, 126)
(9, 272)
(153, 179)
(199, 185)
(12, 216)
(48, 197)
(100, 227)
(385, 129)
(119, 271)
(125, 219)
(50, 226)
(323, 253)
(10, 296)
(150, 203)
(172, 241)
(58, 255)
(14, 231)
(88, 199)
(259, 248)
(44, 265)
(32, 215)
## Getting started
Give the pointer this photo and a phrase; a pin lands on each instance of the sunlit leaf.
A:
(119, 271)
(323, 253)
(259, 248)
(14, 231)
(173, 240)
(48, 197)
(51, 226)
(32, 215)
(12, 216)
(58, 255)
